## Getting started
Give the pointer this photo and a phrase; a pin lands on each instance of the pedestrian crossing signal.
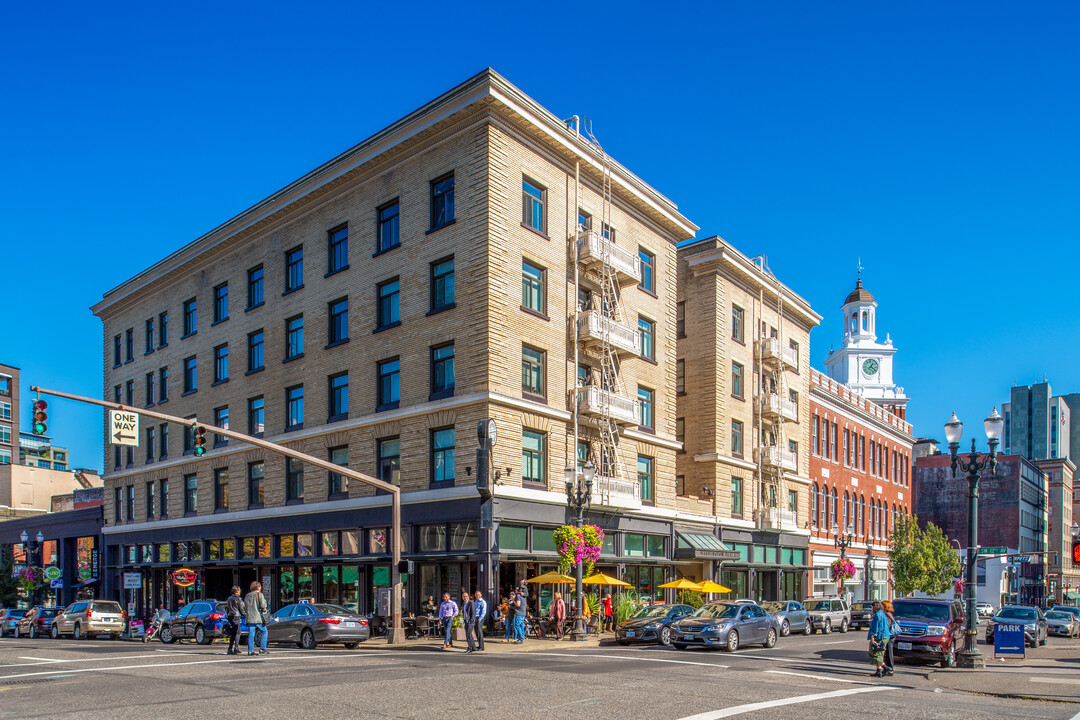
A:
(1076, 553)
(200, 440)
(40, 418)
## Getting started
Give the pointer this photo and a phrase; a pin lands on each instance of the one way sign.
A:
(123, 428)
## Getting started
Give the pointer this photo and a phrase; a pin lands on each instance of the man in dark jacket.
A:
(234, 610)
(468, 619)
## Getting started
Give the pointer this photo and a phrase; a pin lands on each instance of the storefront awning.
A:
(1072, 594)
(695, 546)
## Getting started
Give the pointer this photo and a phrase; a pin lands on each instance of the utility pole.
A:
(396, 633)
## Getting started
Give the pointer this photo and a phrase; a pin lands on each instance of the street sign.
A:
(1021, 558)
(124, 428)
(52, 573)
(1009, 639)
(132, 581)
(56, 583)
(993, 550)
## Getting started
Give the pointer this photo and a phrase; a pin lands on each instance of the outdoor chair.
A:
(424, 627)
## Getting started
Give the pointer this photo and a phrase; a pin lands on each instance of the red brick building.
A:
(860, 463)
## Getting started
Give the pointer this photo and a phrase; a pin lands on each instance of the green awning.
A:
(1072, 594)
(697, 546)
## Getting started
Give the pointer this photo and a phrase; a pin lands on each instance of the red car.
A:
(930, 630)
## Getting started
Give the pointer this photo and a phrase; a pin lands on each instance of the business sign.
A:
(56, 583)
(1021, 559)
(85, 573)
(94, 563)
(1009, 639)
(184, 577)
(132, 580)
(52, 573)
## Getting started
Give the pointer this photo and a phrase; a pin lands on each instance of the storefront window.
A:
(195, 550)
(511, 537)
(757, 552)
(330, 583)
(428, 584)
(463, 536)
(228, 549)
(287, 585)
(328, 543)
(181, 552)
(213, 550)
(163, 554)
(770, 555)
(634, 545)
(380, 576)
(350, 587)
(48, 552)
(785, 556)
(129, 554)
(285, 546)
(543, 539)
(148, 553)
(743, 550)
(377, 541)
(736, 580)
(432, 538)
(656, 545)
(350, 542)
(608, 547)
(304, 545)
(303, 583)
(265, 547)
(799, 556)
(247, 547)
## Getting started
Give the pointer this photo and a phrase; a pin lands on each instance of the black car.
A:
(651, 624)
(861, 612)
(202, 620)
(36, 623)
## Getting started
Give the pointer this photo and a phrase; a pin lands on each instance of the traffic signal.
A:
(406, 567)
(40, 417)
(200, 440)
(1076, 552)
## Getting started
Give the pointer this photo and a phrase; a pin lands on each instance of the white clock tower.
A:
(862, 363)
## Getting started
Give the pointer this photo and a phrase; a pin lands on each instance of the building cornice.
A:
(858, 415)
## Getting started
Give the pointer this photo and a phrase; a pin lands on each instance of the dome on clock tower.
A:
(859, 294)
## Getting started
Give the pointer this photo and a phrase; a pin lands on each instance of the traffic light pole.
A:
(396, 633)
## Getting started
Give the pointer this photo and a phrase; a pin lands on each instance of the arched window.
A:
(813, 506)
(862, 515)
(873, 519)
(843, 525)
(854, 322)
(835, 503)
(864, 320)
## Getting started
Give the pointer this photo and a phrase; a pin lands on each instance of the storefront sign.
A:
(84, 573)
(52, 573)
(184, 577)
(94, 563)
(56, 583)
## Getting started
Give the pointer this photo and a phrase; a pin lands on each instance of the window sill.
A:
(648, 503)
(444, 308)
(338, 496)
(644, 429)
(148, 352)
(117, 365)
(163, 345)
(440, 227)
(129, 360)
(533, 230)
(387, 406)
(386, 327)
(738, 397)
(294, 428)
(249, 308)
(256, 370)
(649, 292)
(185, 337)
(525, 395)
(218, 322)
(189, 392)
(149, 460)
(735, 339)
(680, 393)
(191, 514)
(163, 457)
(680, 336)
(221, 510)
(219, 382)
(334, 344)
(648, 360)
(341, 269)
(255, 506)
(537, 313)
(256, 435)
(533, 484)
(290, 291)
(290, 359)
(441, 395)
(148, 405)
(295, 501)
(440, 484)
(377, 253)
(162, 402)
(337, 418)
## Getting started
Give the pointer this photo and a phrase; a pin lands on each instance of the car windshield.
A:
(1057, 615)
(920, 610)
(109, 607)
(651, 611)
(825, 605)
(48, 612)
(864, 606)
(720, 611)
(16, 612)
(775, 607)
(332, 609)
(1016, 613)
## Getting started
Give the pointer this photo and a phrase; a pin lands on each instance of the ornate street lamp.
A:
(970, 657)
(844, 540)
(578, 499)
(33, 548)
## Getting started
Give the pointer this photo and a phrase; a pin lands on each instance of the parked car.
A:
(1062, 623)
(861, 613)
(36, 623)
(984, 609)
(8, 618)
(88, 618)
(1071, 609)
(726, 625)
(309, 625)
(1035, 628)
(929, 629)
(791, 615)
(651, 624)
(202, 620)
(829, 614)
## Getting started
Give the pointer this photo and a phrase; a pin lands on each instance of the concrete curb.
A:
(983, 682)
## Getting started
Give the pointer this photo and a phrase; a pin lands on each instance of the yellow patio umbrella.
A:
(602, 579)
(551, 578)
(681, 584)
(709, 586)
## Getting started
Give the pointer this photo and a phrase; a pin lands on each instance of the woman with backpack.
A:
(894, 630)
(878, 636)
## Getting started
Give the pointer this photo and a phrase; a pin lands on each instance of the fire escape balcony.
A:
(591, 248)
(616, 493)
(775, 408)
(777, 520)
(591, 400)
(593, 326)
(775, 458)
(771, 351)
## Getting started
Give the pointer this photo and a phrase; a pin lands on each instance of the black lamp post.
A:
(33, 548)
(970, 657)
(578, 499)
(843, 540)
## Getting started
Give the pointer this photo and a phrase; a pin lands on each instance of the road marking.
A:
(43, 661)
(818, 677)
(1059, 681)
(630, 657)
(751, 707)
(48, 660)
(837, 642)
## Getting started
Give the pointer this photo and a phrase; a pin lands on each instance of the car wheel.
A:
(16, 634)
(307, 640)
(78, 635)
(732, 641)
(200, 636)
(351, 645)
(843, 625)
(770, 639)
(33, 634)
(166, 635)
(827, 628)
(785, 629)
(55, 635)
(808, 629)
(679, 646)
(950, 659)
(1043, 641)
(665, 636)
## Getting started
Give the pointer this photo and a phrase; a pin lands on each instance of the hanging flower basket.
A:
(958, 587)
(578, 545)
(842, 570)
(29, 578)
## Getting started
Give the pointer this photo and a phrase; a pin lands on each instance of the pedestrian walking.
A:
(878, 636)
(468, 620)
(521, 608)
(234, 610)
(257, 613)
(447, 612)
(481, 618)
(609, 615)
(894, 630)
(556, 615)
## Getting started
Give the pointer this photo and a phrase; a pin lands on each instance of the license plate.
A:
(350, 624)
(629, 633)
(687, 637)
(903, 646)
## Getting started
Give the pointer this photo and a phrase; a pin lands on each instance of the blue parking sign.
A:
(1009, 639)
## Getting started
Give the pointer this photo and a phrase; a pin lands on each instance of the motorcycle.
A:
(155, 627)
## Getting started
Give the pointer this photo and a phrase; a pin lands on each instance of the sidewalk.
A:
(1053, 675)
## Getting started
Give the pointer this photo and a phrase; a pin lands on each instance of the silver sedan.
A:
(308, 625)
(1062, 623)
(726, 625)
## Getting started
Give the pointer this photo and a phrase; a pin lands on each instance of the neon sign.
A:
(184, 577)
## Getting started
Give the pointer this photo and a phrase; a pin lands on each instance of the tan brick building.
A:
(373, 312)
(743, 411)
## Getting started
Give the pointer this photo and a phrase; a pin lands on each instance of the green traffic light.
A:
(199, 450)
(40, 428)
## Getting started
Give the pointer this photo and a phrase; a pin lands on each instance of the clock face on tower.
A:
(870, 366)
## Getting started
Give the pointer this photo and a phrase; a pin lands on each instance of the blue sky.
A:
(938, 142)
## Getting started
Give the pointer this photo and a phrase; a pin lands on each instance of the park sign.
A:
(124, 428)
(1009, 639)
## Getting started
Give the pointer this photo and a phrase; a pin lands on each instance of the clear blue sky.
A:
(936, 141)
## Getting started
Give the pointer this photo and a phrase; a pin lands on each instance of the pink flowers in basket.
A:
(842, 570)
(578, 545)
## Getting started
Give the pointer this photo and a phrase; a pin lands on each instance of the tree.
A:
(921, 559)
(9, 584)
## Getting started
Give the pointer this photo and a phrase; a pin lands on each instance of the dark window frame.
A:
(294, 269)
(335, 410)
(529, 203)
(438, 284)
(382, 401)
(293, 402)
(337, 322)
(337, 249)
(256, 291)
(445, 389)
(387, 304)
(221, 303)
(387, 223)
(442, 199)
(191, 317)
(292, 334)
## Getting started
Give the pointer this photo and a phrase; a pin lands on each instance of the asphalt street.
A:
(803, 677)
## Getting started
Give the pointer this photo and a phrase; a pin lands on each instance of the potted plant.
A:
(457, 629)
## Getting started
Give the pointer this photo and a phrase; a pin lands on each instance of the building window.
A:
(191, 494)
(294, 337)
(256, 406)
(221, 489)
(736, 496)
(294, 480)
(255, 351)
(533, 287)
(389, 459)
(795, 349)
(645, 477)
(533, 199)
(738, 324)
(294, 269)
(647, 332)
(737, 438)
(129, 392)
(255, 287)
(339, 321)
(648, 270)
(118, 504)
(680, 485)
(149, 389)
(337, 241)
(221, 419)
(442, 201)
(442, 371)
(255, 484)
(164, 441)
(191, 309)
(339, 396)
(442, 284)
(680, 376)
(221, 302)
(338, 484)
(150, 487)
(163, 329)
(150, 443)
(815, 437)
(163, 507)
(191, 380)
(389, 304)
(646, 415)
(116, 351)
(149, 336)
(442, 455)
(129, 345)
(221, 363)
(294, 408)
(737, 385)
(389, 384)
(388, 227)
(532, 370)
(532, 457)
(847, 449)
(680, 429)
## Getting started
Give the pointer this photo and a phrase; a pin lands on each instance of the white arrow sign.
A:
(123, 428)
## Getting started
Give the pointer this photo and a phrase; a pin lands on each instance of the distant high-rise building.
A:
(9, 414)
(1037, 424)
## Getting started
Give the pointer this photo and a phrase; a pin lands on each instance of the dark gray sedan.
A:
(791, 615)
(726, 625)
(308, 625)
(651, 624)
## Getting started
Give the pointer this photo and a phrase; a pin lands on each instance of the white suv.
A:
(829, 614)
